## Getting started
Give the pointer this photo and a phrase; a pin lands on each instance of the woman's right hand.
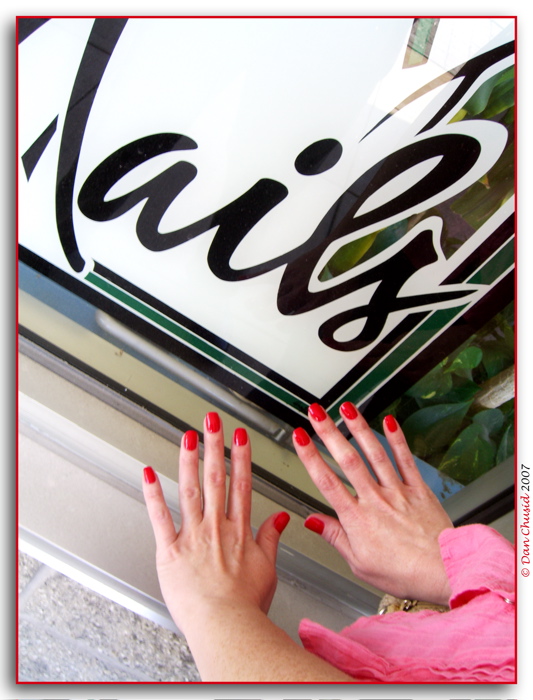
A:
(388, 533)
(214, 558)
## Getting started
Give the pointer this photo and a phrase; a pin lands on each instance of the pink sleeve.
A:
(478, 560)
(472, 643)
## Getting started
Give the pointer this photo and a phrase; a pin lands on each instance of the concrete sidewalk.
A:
(70, 634)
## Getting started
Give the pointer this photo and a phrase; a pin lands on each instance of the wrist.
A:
(200, 614)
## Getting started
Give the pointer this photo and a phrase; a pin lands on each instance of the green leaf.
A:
(433, 385)
(479, 100)
(466, 391)
(491, 420)
(497, 356)
(433, 428)
(387, 237)
(490, 96)
(347, 257)
(509, 116)
(501, 100)
(469, 456)
(477, 203)
(467, 360)
(509, 336)
(461, 114)
(506, 446)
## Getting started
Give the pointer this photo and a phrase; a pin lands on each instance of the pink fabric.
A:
(472, 643)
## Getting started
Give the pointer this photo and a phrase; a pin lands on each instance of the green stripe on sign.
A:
(501, 262)
(410, 346)
(198, 343)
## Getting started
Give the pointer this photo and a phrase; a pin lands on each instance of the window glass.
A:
(329, 219)
(460, 416)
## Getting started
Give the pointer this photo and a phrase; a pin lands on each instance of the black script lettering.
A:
(234, 221)
(294, 296)
(391, 275)
(159, 192)
(457, 152)
(102, 41)
(453, 156)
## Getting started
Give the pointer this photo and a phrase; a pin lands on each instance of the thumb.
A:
(332, 531)
(269, 534)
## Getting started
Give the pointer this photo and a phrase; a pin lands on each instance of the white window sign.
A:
(307, 209)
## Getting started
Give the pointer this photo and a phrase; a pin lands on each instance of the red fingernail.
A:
(301, 437)
(314, 524)
(391, 424)
(149, 475)
(317, 412)
(349, 411)
(240, 437)
(212, 422)
(281, 521)
(190, 440)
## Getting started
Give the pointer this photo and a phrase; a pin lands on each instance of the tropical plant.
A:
(445, 417)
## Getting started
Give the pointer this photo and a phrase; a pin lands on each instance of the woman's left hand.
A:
(214, 558)
(388, 529)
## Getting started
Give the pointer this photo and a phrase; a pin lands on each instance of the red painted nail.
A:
(391, 424)
(149, 475)
(301, 437)
(281, 521)
(212, 422)
(240, 437)
(349, 411)
(190, 440)
(317, 412)
(314, 524)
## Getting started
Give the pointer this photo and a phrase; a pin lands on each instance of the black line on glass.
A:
(137, 324)
(483, 252)
(102, 40)
(35, 151)
(26, 26)
(446, 342)
(459, 332)
(259, 472)
(397, 334)
(203, 333)
(460, 274)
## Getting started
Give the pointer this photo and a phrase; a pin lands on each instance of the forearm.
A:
(238, 642)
